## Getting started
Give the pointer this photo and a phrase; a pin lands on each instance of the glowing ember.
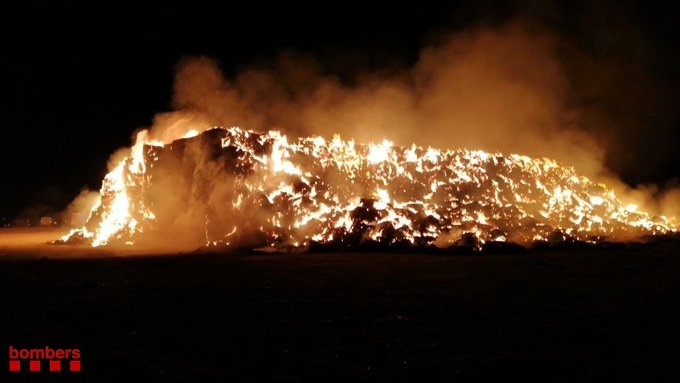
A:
(340, 193)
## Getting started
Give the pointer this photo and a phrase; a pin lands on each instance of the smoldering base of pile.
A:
(466, 246)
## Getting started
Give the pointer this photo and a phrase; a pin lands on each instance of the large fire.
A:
(335, 192)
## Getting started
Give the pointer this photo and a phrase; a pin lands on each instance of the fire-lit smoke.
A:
(492, 89)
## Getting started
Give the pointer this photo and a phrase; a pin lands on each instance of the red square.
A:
(14, 365)
(75, 365)
(55, 365)
(34, 365)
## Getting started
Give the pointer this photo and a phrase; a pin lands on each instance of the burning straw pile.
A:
(244, 189)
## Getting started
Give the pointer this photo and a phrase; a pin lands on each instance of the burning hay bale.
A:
(238, 188)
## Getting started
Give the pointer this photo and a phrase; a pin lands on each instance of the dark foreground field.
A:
(557, 316)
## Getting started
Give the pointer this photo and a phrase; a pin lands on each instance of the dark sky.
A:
(75, 88)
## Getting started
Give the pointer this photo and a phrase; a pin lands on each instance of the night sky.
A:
(76, 91)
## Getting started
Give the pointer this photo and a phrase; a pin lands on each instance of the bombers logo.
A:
(32, 359)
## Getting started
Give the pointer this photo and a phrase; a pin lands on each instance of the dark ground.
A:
(558, 316)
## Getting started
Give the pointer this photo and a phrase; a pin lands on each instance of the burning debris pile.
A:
(258, 190)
